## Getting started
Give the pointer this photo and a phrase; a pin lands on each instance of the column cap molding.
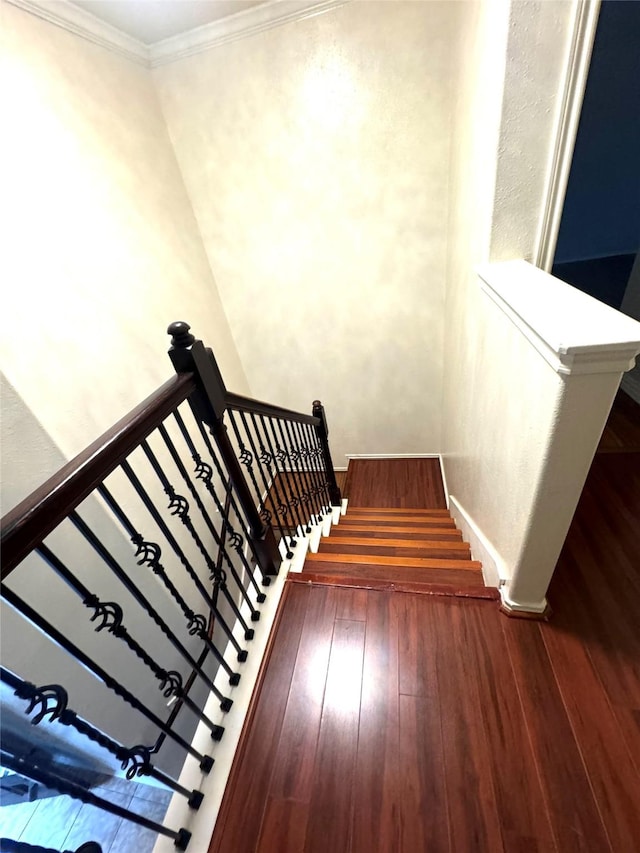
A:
(573, 332)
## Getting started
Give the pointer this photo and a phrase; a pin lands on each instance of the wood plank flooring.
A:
(388, 721)
(408, 483)
(622, 431)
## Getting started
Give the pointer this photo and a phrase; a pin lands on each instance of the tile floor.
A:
(64, 824)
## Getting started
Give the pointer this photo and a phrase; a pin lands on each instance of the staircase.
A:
(412, 550)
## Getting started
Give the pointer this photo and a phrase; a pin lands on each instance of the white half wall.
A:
(500, 397)
(316, 156)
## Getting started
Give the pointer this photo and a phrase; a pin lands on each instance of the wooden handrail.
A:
(25, 526)
(257, 407)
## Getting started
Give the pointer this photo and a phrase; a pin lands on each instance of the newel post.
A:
(189, 355)
(322, 431)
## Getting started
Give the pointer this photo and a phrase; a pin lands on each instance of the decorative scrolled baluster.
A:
(268, 472)
(52, 778)
(315, 456)
(217, 575)
(100, 673)
(295, 496)
(296, 460)
(308, 471)
(159, 570)
(108, 616)
(280, 453)
(218, 538)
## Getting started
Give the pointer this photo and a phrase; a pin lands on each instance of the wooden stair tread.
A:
(448, 544)
(399, 562)
(408, 520)
(396, 574)
(444, 589)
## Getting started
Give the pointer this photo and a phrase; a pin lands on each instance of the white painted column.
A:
(589, 345)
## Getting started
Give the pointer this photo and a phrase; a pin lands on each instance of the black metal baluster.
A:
(180, 508)
(268, 486)
(283, 508)
(268, 458)
(322, 487)
(123, 577)
(51, 779)
(51, 700)
(150, 554)
(109, 615)
(292, 500)
(296, 458)
(290, 476)
(264, 511)
(219, 539)
(204, 473)
(280, 458)
(175, 547)
(206, 762)
(246, 458)
(306, 454)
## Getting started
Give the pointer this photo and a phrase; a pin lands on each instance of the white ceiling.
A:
(150, 21)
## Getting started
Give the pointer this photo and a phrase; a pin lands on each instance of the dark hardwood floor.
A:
(622, 432)
(407, 483)
(402, 723)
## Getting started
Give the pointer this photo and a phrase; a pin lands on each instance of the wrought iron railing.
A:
(163, 536)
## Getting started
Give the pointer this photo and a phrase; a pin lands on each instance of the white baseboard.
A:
(444, 480)
(392, 456)
(493, 568)
(521, 606)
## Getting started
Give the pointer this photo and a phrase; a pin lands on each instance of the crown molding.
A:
(87, 26)
(243, 24)
(573, 332)
(248, 22)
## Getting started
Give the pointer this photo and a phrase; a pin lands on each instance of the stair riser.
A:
(392, 551)
(391, 513)
(449, 535)
(401, 520)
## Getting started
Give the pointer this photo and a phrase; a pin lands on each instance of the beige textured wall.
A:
(501, 398)
(316, 157)
(100, 246)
